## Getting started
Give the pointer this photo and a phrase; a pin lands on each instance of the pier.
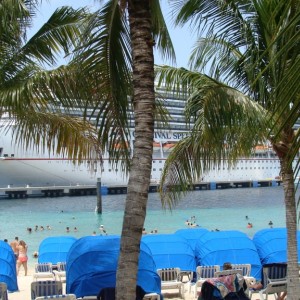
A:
(86, 190)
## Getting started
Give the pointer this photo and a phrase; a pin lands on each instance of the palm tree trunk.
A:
(140, 171)
(282, 149)
(293, 285)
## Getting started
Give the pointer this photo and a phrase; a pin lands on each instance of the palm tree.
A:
(250, 95)
(31, 96)
(116, 61)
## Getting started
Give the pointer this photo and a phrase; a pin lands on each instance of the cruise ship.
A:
(19, 168)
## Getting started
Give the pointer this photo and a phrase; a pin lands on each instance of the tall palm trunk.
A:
(291, 224)
(282, 150)
(140, 171)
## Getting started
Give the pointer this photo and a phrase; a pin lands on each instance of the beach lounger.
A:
(64, 297)
(228, 272)
(203, 273)
(45, 288)
(60, 273)
(245, 268)
(170, 279)
(43, 270)
(152, 296)
(246, 271)
(3, 291)
(274, 278)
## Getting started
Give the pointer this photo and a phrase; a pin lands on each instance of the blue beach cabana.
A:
(217, 247)
(192, 235)
(8, 271)
(92, 265)
(271, 245)
(171, 251)
(54, 249)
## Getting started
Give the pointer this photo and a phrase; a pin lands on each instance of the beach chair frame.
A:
(43, 270)
(45, 288)
(170, 279)
(203, 273)
(3, 291)
(275, 280)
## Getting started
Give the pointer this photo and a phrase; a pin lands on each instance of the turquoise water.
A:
(219, 209)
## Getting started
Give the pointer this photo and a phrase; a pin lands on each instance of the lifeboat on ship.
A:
(261, 148)
(167, 147)
(156, 146)
(120, 146)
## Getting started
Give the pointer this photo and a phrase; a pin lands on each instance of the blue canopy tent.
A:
(217, 247)
(8, 271)
(92, 265)
(192, 235)
(54, 249)
(271, 245)
(171, 251)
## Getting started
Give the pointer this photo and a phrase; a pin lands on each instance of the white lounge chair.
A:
(60, 273)
(228, 272)
(152, 296)
(64, 296)
(3, 291)
(43, 270)
(245, 268)
(274, 277)
(246, 272)
(45, 288)
(170, 279)
(203, 273)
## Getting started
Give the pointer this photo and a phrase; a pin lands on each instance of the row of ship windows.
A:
(262, 168)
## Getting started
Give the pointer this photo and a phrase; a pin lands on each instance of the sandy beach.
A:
(24, 283)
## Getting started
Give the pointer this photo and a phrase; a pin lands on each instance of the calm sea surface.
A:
(219, 209)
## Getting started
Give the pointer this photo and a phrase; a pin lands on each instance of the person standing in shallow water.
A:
(22, 258)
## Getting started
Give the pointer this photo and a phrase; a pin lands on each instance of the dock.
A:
(11, 192)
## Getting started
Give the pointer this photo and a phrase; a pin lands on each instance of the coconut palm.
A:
(31, 95)
(117, 61)
(249, 95)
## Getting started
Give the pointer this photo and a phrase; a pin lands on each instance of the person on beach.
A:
(14, 245)
(22, 258)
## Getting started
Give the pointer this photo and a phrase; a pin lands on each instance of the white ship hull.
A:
(21, 169)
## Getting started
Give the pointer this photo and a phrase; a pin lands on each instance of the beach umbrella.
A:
(92, 265)
(271, 245)
(54, 249)
(8, 271)
(218, 247)
(171, 251)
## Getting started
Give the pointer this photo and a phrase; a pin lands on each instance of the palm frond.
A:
(56, 133)
(161, 34)
(227, 126)
(104, 70)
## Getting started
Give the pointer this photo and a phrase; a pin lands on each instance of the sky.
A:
(181, 37)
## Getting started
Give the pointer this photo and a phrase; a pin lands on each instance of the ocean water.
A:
(213, 209)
